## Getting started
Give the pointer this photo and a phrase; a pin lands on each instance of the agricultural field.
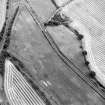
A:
(41, 40)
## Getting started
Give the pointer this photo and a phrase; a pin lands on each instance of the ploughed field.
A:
(63, 79)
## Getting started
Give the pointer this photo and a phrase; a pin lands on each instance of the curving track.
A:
(67, 61)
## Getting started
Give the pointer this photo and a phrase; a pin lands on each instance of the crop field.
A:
(47, 53)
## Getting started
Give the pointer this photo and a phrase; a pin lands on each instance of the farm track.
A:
(7, 27)
(66, 61)
(5, 41)
(63, 5)
(4, 25)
